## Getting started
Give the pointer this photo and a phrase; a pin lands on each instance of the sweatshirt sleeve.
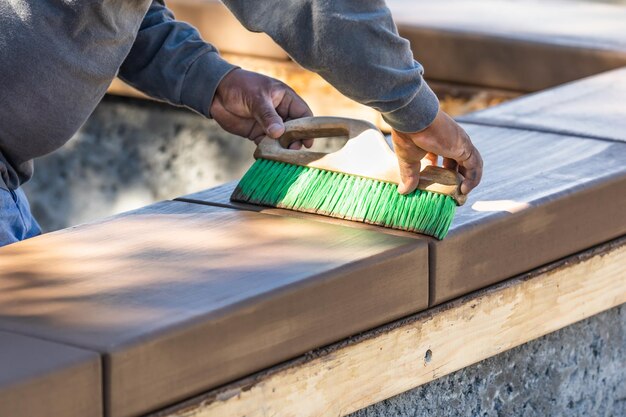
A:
(170, 61)
(355, 46)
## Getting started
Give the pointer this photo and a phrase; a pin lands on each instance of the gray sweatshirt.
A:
(57, 58)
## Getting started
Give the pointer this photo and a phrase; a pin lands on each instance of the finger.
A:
(409, 162)
(233, 123)
(450, 163)
(472, 171)
(409, 175)
(432, 158)
(265, 114)
(291, 105)
(256, 132)
(297, 145)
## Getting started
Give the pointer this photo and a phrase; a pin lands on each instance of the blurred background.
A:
(133, 150)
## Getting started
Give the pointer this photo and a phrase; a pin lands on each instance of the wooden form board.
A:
(341, 379)
(180, 298)
(592, 107)
(543, 196)
(42, 378)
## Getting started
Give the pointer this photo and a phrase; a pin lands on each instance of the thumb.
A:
(409, 162)
(265, 114)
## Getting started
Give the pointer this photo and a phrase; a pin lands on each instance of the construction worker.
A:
(59, 56)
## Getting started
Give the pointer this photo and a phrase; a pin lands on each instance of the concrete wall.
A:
(131, 153)
(577, 371)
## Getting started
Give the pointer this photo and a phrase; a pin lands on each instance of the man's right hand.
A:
(253, 105)
(445, 138)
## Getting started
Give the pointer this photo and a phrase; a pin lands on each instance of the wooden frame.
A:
(384, 362)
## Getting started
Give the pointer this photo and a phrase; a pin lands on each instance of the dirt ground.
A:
(457, 106)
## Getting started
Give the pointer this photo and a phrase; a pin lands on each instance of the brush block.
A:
(366, 154)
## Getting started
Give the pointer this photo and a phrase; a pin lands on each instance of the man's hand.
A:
(444, 137)
(253, 105)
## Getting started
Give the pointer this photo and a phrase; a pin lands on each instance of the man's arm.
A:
(170, 61)
(354, 45)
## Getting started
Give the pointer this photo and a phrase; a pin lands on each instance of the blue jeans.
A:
(16, 221)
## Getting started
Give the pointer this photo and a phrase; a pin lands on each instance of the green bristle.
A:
(312, 190)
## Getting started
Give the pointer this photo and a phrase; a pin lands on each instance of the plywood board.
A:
(594, 107)
(181, 298)
(384, 362)
(543, 196)
(42, 378)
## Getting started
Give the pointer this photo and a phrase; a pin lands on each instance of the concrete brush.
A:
(358, 182)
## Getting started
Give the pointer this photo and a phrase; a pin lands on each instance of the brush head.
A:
(313, 190)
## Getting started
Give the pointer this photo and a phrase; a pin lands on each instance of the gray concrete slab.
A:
(593, 107)
(525, 46)
(543, 196)
(42, 378)
(180, 298)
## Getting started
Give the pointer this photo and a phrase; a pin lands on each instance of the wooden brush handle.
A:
(366, 154)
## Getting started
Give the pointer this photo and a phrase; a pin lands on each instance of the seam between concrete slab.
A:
(208, 203)
(431, 273)
(105, 366)
(47, 339)
(490, 122)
